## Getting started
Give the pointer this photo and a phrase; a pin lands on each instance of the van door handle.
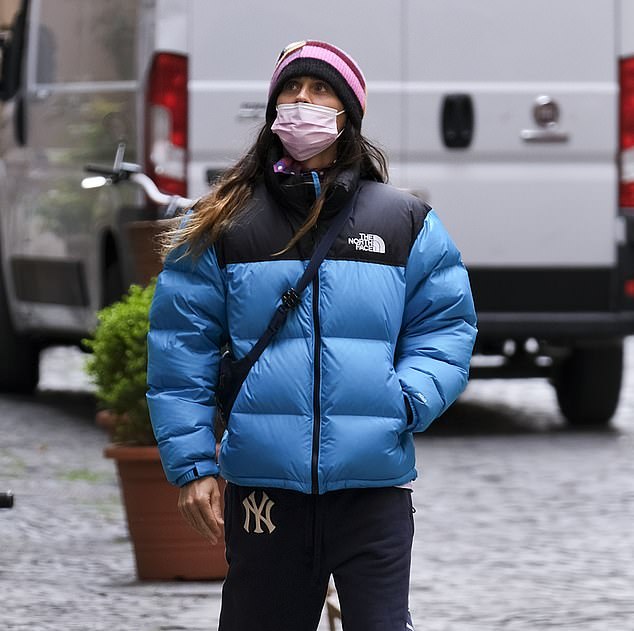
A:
(544, 135)
(457, 121)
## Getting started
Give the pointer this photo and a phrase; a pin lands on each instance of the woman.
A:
(319, 450)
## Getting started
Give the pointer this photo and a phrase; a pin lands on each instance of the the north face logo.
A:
(368, 242)
(261, 513)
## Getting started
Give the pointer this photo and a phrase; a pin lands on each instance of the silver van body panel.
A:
(507, 201)
(229, 84)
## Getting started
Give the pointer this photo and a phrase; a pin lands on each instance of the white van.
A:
(515, 119)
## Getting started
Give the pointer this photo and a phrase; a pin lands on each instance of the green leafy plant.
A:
(118, 364)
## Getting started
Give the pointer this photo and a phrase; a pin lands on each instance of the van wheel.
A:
(20, 363)
(588, 384)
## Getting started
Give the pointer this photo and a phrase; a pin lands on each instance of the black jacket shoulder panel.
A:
(382, 229)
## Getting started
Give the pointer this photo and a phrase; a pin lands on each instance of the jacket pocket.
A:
(409, 411)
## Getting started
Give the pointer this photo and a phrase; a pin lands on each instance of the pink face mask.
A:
(306, 130)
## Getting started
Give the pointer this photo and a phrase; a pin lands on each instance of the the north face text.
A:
(368, 242)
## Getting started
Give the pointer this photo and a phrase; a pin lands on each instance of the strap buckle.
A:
(290, 299)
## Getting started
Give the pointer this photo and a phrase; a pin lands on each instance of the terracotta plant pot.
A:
(165, 546)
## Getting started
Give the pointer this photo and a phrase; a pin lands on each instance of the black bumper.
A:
(555, 327)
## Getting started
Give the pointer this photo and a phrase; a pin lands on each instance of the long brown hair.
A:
(219, 209)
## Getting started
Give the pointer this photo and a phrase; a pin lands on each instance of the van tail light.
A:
(166, 107)
(626, 193)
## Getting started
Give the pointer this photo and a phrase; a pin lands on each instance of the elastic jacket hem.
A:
(339, 485)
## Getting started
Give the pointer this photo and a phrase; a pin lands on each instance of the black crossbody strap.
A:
(292, 297)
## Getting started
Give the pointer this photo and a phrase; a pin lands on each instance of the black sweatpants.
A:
(282, 547)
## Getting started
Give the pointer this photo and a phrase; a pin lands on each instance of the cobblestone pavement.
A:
(522, 524)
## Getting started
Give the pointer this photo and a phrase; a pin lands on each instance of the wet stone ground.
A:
(522, 523)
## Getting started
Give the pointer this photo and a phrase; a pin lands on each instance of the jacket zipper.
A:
(314, 467)
(316, 389)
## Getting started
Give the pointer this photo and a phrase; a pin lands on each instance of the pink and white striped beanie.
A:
(327, 62)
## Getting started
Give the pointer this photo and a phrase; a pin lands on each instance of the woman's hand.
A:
(199, 504)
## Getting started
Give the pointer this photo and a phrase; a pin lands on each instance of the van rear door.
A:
(531, 201)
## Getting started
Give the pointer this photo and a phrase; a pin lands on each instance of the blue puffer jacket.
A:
(378, 348)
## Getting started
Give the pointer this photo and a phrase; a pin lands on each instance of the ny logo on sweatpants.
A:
(261, 513)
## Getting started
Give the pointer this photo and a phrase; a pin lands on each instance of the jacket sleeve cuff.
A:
(199, 470)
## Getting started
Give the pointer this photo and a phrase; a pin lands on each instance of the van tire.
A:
(20, 365)
(588, 384)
